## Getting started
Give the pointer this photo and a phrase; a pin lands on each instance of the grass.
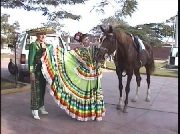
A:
(158, 70)
(6, 84)
(5, 56)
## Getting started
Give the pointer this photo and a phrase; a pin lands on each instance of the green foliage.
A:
(55, 25)
(8, 29)
(158, 30)
(124, 7)
(113, 21)
(58, 28)
(152, 33)
(45, 6)
(96, 30)
(128, 8)
(143, 32)
(3, 40)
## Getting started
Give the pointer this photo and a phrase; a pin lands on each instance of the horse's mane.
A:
(122, 37)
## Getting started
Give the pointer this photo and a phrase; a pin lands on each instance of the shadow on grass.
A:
(7, 84)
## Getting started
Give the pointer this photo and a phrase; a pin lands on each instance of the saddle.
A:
(139, 46)
(138, 43)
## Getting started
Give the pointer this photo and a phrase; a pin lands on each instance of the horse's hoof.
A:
(134, 100)
(118, 107)
(125, 110)
(147, 99)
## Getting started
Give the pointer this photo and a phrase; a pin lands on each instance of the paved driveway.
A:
(160, 116)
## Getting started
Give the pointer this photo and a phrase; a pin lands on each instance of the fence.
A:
(161, 53)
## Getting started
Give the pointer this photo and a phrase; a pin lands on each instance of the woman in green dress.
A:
(74, 79)
(38, 82)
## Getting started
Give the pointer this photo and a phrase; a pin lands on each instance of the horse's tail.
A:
(152, 64)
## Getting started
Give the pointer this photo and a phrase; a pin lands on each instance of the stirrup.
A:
(43, 111)
(35, 114)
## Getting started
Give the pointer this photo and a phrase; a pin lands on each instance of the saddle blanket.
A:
(138, 42)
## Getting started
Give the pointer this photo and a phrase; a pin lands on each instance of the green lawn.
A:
(6, 84)
(5, 56)
(158, 70)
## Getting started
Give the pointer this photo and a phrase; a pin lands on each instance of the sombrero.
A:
(45, 30)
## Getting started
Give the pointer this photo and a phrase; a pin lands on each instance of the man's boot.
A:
(43, 111)
(35, 114)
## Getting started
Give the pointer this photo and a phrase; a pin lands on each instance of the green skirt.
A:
(74, 83)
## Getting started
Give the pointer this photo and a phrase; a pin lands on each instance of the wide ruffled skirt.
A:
(74, 87)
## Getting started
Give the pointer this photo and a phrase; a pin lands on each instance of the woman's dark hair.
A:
(79, 36)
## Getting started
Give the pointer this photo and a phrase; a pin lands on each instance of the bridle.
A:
(104, 51)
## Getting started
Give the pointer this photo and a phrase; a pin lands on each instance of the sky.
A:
(149, 11)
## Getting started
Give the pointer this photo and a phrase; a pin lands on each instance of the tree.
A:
(143, 32)
(112, 20)
(3, 40)
(171, 23)
(55, 25)
(157, 30)
(4, 23)
(126, 7)
(8, 29)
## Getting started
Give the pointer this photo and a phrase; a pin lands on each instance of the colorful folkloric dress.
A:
(39, 84)
(74, 81)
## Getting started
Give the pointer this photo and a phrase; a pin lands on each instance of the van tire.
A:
(12, 68)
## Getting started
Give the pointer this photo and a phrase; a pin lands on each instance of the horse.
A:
(126, 60)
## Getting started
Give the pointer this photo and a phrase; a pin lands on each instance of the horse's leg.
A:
(148, 83)
(138, 80)
(129, 77)
(119, 74)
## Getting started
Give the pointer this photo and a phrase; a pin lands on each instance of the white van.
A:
(22, 51)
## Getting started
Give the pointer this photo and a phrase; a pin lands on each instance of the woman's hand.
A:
(32, 77)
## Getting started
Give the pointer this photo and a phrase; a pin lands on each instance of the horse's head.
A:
(107, 45)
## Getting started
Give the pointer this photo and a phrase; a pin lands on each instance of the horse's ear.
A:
(110, 29)
(102, 29)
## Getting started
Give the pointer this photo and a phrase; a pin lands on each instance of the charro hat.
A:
(43, 30)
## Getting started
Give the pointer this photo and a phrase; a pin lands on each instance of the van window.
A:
(54, 40)
(29, 40)
(20, 40)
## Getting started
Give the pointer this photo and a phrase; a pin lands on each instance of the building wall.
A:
(161, 52)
